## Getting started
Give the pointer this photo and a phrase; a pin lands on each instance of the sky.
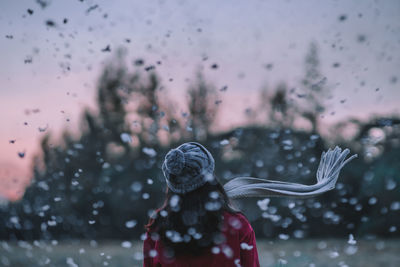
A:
(52, 56)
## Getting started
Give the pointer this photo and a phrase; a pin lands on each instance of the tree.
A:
(315, 88)
(281, 112)
(284, 106)
(202, 108)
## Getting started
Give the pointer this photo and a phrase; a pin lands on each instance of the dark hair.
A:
(187, 224)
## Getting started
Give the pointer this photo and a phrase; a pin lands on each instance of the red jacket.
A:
(239, 249)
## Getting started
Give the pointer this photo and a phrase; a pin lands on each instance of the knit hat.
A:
(188, 167)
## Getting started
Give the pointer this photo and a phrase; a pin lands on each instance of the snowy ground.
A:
(332, 252)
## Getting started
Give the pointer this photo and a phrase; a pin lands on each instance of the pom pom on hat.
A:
(175, 161)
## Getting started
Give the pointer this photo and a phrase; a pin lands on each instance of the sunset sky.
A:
(53, 54)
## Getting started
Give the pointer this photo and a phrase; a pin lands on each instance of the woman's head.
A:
(191, 216)
(188, 167)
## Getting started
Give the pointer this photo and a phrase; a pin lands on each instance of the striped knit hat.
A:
(188, 167)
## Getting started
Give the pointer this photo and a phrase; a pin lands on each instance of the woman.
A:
(196, 226)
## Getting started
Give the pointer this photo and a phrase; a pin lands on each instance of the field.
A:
(331, 252)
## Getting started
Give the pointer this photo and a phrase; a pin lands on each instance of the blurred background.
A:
(94, 93)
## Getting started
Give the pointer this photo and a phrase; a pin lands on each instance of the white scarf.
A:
(329, 167)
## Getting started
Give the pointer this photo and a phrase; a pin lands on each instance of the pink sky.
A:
(240, 36)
